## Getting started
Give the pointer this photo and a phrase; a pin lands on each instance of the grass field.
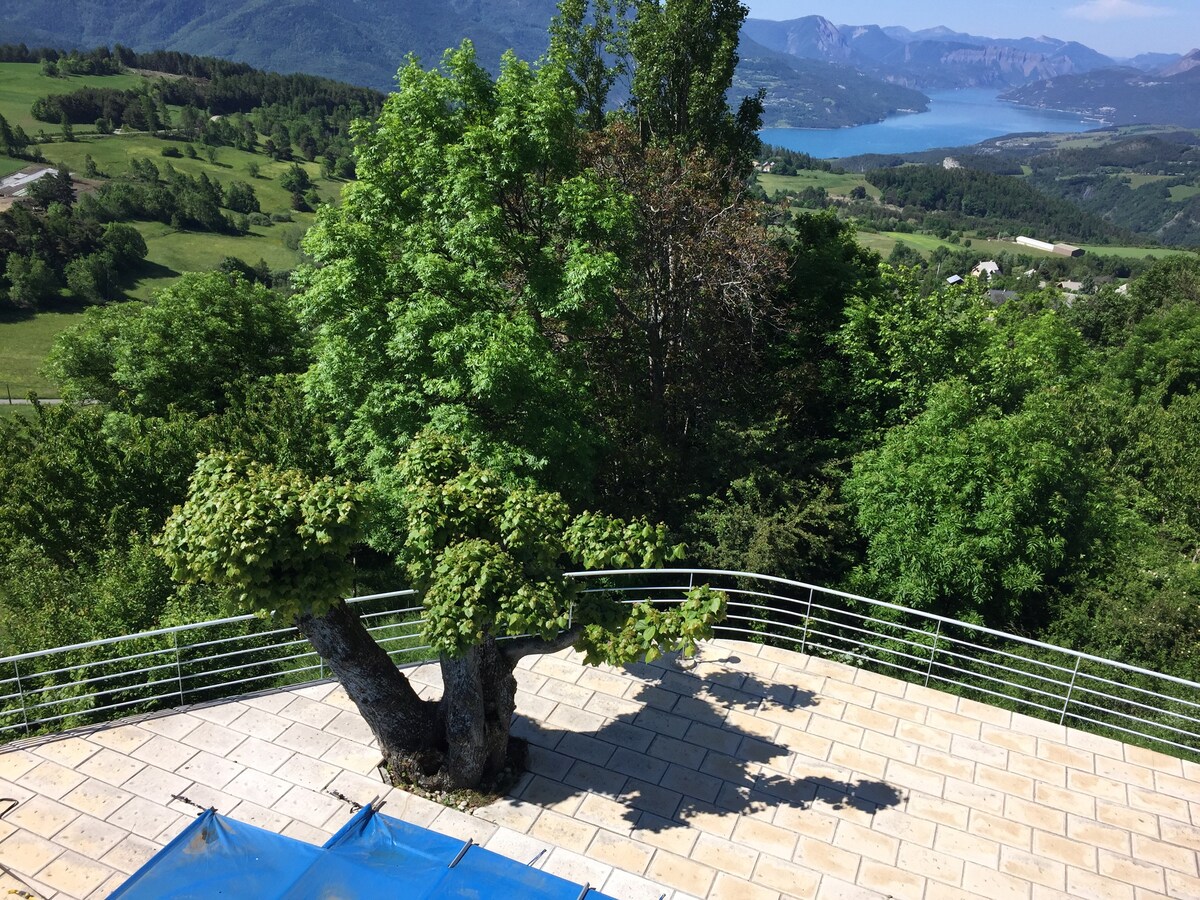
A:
(24, 344)
(8, 165)
(1132, 252)
(1182, 192)
(22, 83)
(114, 153)
(836, 185)
(172, 252)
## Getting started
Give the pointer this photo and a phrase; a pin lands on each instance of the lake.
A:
(954, 119)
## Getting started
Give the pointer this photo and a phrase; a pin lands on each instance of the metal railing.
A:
(101, 680)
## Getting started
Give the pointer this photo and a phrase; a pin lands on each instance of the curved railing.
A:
(100, 680)
(1076, 689)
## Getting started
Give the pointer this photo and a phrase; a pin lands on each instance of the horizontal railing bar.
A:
(913, 643)
(178, 629)
(933, 617)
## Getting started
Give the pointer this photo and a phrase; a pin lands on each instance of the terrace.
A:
(751, 772)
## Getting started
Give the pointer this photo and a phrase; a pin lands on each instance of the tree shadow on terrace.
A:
(689, 743)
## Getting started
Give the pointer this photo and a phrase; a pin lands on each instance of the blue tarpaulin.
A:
(371, 858)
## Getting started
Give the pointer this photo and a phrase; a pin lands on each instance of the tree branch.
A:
(521, 647)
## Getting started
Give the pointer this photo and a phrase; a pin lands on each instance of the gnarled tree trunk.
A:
(476, 710)
(403, 723)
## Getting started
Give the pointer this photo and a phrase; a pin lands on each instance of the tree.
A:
(593, 40)
(487, 554)
(685, 54)
(30, 280)
(452, 282)
(198, 346)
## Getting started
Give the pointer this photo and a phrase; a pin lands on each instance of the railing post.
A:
(1070, 690)
(21, 692)
(807, 617)
(937, 636)
(178, 669)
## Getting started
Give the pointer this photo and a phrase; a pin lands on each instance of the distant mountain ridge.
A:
(933, 58)
(1122, 96)
(816, 73)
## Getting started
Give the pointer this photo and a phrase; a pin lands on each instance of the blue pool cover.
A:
(371, 858)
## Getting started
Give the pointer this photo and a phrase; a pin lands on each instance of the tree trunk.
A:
(403, 723)
(477, 706)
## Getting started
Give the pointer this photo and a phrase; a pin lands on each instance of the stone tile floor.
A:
(750, 773)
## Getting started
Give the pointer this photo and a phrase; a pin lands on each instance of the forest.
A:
(538, 333)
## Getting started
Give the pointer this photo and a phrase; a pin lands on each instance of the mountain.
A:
(1180, 66)
(1150, 62)
(1121, 96)
(806, 93)
(359, 41)
(932, 58)
(810, 37)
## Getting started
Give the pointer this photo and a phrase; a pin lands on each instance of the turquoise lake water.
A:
(954, 119)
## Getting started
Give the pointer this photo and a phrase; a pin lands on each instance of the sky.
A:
(1121, 28)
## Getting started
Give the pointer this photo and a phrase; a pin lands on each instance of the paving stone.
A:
(709, 818)
(41, 816)
(143, 818)
(156, 785)
(953, 723)
(111, 767)
(924, 735)
(1033, 868)
(866, 842)
(175, 726)
(967, 847)
(610, 814)
(49, 779)
(631, 887)
(575, 867)
(264, 724)
(1002, 830)
(563, 831)
(1181, 834)
(933, 864)
(1071, 757)
(1170, 856)
(826, 859)
(891, 881)
(69, 752)
(1135, 821)
(691, 783)
(1118, 770)
(905, 826)
(217, 740)
(609, 780)
(262, 817)
(789, 879)
(74, 874)
(1065, 850)
(626, 737)
(27, 853)
(903, 710)
(619, 851)
(680, 873)
(260, 755)
(1082, 883)
(308, 806)
(515, 815)
(585, 747)
(209, 769)
(987, 880)
(130, 854)
(548, 762)
(1004, 781)
(96, 798)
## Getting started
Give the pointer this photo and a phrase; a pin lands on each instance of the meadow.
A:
(22, 83)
